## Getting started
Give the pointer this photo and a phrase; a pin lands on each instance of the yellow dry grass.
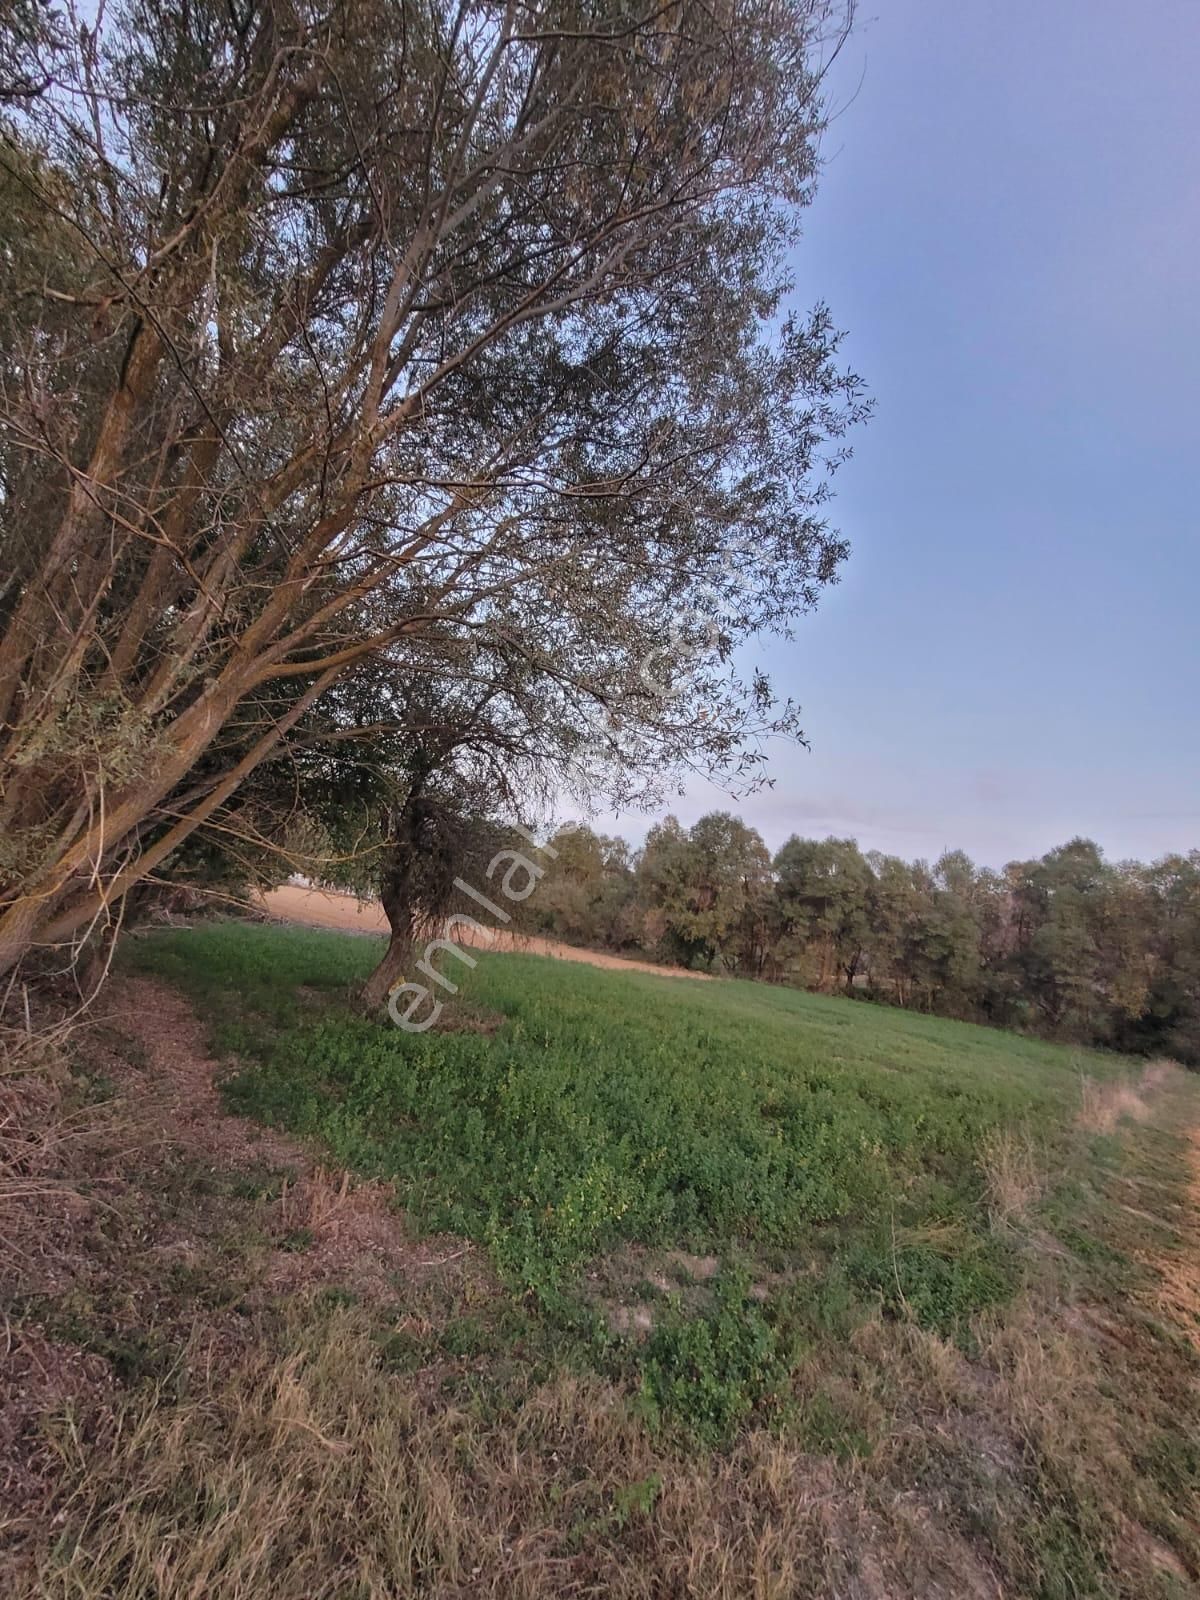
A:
(1104, 1105)
(1013, 1176)
(321, 908)
(313, 1475)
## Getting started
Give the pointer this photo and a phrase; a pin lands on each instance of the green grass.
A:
(830, 1153)
(613, 1108)
(947, 1343)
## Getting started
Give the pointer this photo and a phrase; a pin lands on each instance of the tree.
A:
(436, 840)
(954, 943)
(385, 325)
(588, 898)
(664, 884)
(455, 755)
(1170, 1019)
(706, 891)
(896, 909)
(1069, 946)
(823, 889)
(1059, 906)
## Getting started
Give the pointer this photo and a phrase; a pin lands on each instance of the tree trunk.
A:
(825, 981)
(51, 909)
(392, 970)
(396, 899)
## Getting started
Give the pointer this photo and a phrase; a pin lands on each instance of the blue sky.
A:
(1009, 227)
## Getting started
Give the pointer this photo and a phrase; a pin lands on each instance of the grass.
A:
(919, 1300)
(612, 1109)
(839, 1158)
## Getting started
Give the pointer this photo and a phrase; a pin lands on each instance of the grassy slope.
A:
(936, 1357)
(613, 1108)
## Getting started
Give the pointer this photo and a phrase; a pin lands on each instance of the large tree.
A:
(823, 890)
(456, 753)
(349, 327)
(589, 898)
(704, 892)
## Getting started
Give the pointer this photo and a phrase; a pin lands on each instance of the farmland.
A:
(606, 1110)
(613, 1284)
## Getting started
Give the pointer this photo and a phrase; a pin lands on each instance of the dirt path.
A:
(354, 1232)
(318, 908)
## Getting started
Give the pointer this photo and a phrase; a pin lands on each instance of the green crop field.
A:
(832, 1156)
(670, 1288)
(609, 1108)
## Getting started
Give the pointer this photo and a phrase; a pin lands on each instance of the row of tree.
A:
(1070, 945)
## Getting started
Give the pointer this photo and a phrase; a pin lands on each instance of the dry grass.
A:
(312, 1475)
(46, 1146)
(321, 908)
(1179, 1271)
(44, 1140)
(1104, 1105)
(306, 1472)
(279, 1449)
(33, 1073)
(1013, 1177)
(1078, 1399)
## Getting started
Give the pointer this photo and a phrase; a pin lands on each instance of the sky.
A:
(1008, 226)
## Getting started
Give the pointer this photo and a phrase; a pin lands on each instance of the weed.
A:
(1012, 1174)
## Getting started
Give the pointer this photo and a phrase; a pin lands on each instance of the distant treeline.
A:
(1070, 946)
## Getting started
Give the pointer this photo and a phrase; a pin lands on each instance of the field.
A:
(323, 908)
(615, 1285)
(606, 1111)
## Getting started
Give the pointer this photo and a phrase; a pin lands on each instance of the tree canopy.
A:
(391, 331)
